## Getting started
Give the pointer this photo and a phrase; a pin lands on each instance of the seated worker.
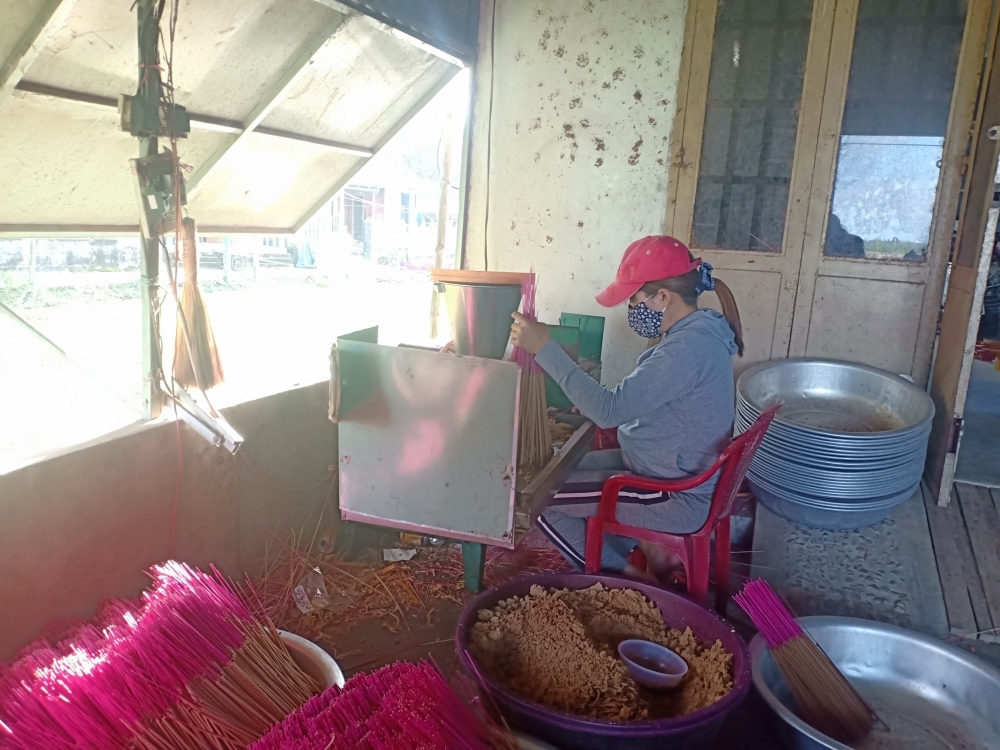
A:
(674, 413)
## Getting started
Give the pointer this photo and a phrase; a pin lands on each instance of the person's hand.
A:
(527, 335)
(448, 348)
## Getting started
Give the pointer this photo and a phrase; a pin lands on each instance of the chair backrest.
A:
(735, 460)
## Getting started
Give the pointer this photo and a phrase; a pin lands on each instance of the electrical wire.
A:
(277, 486)
(170, 384)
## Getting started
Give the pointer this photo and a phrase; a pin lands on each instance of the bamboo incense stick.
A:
(534, 439)
(828, 702)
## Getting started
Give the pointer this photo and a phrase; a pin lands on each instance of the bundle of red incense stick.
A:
(402, 705)
(534, 441)
(828, 702)
(190, 666)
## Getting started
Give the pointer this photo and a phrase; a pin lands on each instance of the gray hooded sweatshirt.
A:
(675, 412)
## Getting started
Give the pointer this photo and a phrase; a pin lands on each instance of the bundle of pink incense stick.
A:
(190, 666)
(402, 705)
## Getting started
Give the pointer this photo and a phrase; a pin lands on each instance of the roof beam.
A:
(400, 124)
(52, 15)
(272, 97)
(200, 121)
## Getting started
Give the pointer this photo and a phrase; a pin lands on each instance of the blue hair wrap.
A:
(705, 281)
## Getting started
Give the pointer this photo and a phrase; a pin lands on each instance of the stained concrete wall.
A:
(572, 120)
(86, 525)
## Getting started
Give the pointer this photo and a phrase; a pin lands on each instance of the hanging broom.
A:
(196, 357)
(534, 441)
(828, 702)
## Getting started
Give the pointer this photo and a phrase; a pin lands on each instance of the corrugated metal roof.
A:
(324, 88)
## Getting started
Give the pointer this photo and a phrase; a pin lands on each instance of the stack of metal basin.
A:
(847, 446)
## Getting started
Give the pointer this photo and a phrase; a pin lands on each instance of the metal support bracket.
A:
(214, 428)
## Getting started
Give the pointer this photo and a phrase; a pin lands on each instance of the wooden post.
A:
(442, 228)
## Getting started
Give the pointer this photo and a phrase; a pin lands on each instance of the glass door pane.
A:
(892, 135)
(751, 118)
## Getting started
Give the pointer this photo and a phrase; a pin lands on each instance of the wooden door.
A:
(896, 112)
(745, 135)
(832, 221)
(966, 286)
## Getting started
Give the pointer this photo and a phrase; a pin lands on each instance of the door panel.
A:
(754, 92)
(886, 111)
(966, 287)
(747, 125)
(885, 95)
(850, 316)
(757, 292)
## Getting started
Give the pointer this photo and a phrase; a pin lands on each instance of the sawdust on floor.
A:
(559, 648)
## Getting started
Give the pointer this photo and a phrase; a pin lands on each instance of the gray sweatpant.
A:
(565, 524)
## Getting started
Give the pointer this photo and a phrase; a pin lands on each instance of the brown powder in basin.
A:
(560, 649)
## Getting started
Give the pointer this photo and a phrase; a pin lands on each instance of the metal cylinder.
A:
(481, 316)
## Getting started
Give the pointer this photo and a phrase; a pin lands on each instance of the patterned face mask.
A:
(644, 321)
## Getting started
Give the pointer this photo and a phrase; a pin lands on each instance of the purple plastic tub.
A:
(693, 731)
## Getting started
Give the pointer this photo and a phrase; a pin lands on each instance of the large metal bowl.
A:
(828, 396)
(843, 517)
(932, 696)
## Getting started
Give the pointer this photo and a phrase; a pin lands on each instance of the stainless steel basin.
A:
(848, 444)
(838, 397)
(931, 695)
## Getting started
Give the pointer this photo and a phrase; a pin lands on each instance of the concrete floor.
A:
(885, 572)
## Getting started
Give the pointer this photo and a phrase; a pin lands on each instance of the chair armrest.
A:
(663, 485)
(613, 487)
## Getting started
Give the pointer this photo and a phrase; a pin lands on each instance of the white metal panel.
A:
(17, 18)
(428, 443)
(17, 59)
(577, 115)
(266, 182)
(358, 87)
(66, 164)
(226, 55)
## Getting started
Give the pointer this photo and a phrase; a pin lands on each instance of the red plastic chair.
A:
(693, 549)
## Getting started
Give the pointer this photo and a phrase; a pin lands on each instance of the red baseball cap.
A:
(649, 259)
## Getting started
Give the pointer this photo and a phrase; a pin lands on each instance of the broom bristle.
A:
(205, 371)
(534, 440)
(828, 702)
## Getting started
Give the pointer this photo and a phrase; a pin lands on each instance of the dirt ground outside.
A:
(273, 333)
